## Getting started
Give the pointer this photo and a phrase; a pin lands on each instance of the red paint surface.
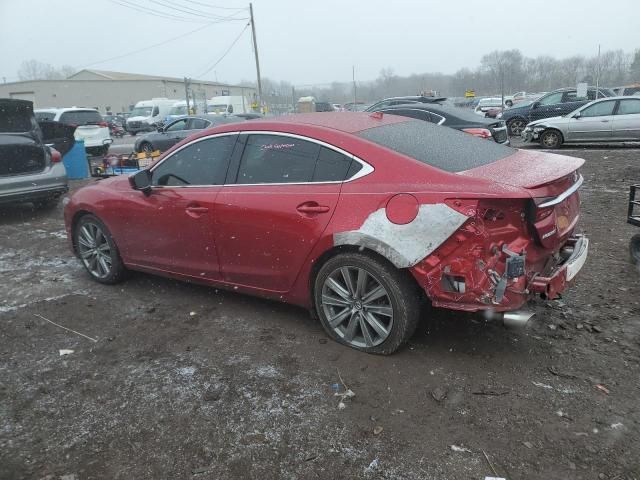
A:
(257, 240)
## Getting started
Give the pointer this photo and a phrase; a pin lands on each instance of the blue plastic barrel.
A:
(75, 161)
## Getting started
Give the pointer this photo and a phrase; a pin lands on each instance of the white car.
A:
(487, 104)
(92, 128)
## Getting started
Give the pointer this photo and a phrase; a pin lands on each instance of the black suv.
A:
(553, 104)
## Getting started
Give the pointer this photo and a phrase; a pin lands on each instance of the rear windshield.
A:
(81, 117)
(42, 116)
(15, 119)
(441, 147)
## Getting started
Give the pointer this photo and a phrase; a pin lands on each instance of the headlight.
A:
(538, 128)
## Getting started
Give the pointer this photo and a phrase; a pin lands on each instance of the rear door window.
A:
(277, 159)
(81, 117)
(333, 166)
(198, 124)
(411, 113)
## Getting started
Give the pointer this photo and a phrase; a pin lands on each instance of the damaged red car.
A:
(355, 216)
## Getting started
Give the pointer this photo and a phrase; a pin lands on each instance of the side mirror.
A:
(577, 115)
(141, 181)
(535, 105)
(160, 128)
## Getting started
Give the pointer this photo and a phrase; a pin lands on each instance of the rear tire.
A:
(146, 147)
(634, 249)
(98, 251)
(550, 139)
(366, 303)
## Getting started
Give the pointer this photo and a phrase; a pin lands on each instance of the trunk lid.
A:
(551, 180)
(21, 154)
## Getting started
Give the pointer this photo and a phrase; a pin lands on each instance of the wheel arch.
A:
(341, 249)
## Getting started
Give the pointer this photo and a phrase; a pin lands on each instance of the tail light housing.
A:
(103, 124)
(56, 157)
(478, 132)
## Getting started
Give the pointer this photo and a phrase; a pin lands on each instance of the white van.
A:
(179, 109)
(229, 104)
(147, 114)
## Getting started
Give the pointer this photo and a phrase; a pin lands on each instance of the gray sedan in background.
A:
(176, 131)
(607, 120)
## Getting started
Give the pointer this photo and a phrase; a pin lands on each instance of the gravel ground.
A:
(184, 381)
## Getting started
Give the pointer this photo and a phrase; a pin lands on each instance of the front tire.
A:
(550, 139)
(366, 303)
(97, 250)
(634, 249)
(516, 126)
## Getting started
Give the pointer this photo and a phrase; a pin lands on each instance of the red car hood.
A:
(527, 169)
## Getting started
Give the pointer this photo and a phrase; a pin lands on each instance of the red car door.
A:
(171, 229)
(273, 211)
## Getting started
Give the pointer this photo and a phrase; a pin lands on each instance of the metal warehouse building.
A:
(113, 91)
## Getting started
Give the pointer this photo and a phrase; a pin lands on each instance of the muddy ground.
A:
(187, 382)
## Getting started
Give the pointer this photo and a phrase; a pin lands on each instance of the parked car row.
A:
(610, 119)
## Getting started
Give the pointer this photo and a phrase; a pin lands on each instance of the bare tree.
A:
(36, 70)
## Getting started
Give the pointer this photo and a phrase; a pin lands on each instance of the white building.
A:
(113, 91)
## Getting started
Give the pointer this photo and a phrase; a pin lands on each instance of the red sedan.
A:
(355, 216)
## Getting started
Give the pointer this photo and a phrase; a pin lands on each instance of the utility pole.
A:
(186, 92)
(353, 74)
(293, 98)
(255, 51)
(598, 74)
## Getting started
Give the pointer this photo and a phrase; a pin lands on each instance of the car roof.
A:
(457, 112)
(66, 109)
(348, 122)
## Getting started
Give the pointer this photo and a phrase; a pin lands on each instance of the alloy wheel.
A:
(550, 139)
(94, 250)
(516, 127)
(357, 306)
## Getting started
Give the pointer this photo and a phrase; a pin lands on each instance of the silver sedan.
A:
(606, 120)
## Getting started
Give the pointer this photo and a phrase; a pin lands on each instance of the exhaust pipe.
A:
(515, 319)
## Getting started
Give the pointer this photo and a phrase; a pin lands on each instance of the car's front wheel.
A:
(366, 303)
(550, 139)
(516, 126)
(97, 250)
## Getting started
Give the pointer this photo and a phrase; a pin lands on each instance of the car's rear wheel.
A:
(634, 249)
(550, 139)
(516, 126)
(146, 147)
(366, 303)
(97, 250)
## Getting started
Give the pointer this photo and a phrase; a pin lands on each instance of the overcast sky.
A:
(305, 42)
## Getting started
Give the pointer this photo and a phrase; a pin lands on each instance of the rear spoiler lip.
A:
(567, 193)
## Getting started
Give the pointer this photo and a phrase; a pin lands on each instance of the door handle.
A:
(558, 108)
(195, 211)
(604, 121)
(312, 207)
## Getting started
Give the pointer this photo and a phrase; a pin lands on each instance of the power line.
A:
(150, 46)
(214, 6)
(225, 53)
(152, 12)
(190, 11)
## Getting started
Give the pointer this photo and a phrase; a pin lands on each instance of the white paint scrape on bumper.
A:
(577, 260)
(405, 245)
